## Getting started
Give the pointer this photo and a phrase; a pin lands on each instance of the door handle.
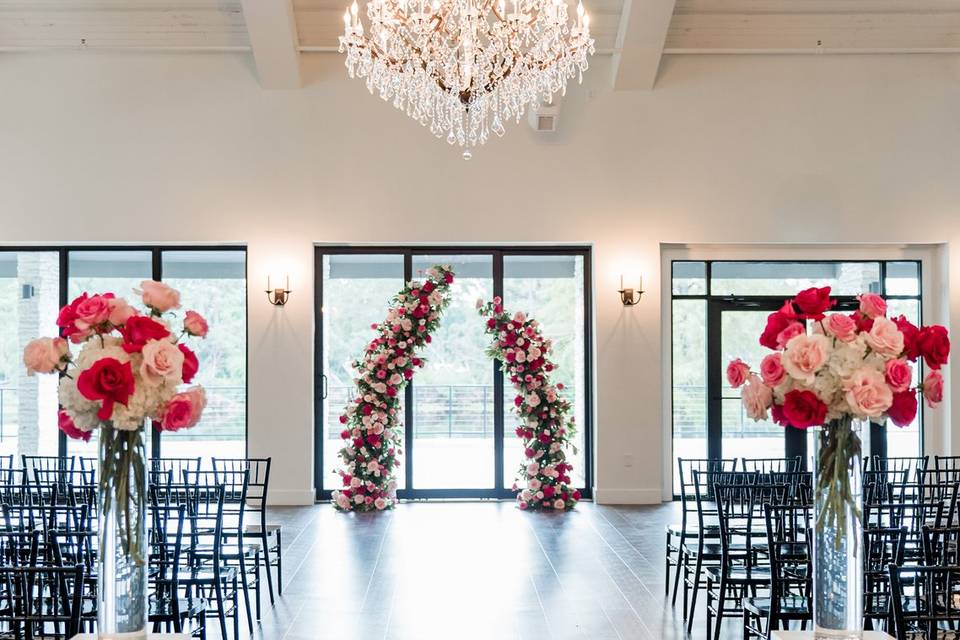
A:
(325, 389)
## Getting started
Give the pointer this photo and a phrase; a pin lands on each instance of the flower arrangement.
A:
(829, 370)
(546, 429)
(129, 368)
(373, 430)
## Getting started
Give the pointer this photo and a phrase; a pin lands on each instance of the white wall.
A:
(104, 147)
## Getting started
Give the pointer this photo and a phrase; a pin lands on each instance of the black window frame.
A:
(795, 439)
(156, 257)
(323, 490)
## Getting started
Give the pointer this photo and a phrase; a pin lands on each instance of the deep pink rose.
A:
(190, 363)
(66, 424)
(793, 330)
(803, 409)
(813, 302)
(776, 323)
(138, 330)
(737, 373)
(92, 312)
(933, 343)
(184, 410)
(771, 370)
(903, 409)
(109, 381)
(872, 305)
(67, 321)
(933, 388)
(899, 374)
(910, 334)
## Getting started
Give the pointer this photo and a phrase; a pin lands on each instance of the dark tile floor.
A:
(474, 570)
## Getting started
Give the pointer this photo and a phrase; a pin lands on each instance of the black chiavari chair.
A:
(767, 466)
(41, 602)
(926, 602)
(7, 470)
(177, 467)
(913, 465)
(881, 548)
(169, 608)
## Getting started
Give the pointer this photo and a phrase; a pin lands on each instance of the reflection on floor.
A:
(475, 570)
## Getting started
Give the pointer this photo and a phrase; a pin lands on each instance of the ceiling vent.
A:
(543, 118)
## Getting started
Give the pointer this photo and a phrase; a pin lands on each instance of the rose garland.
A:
(373, 430)
(546, 430)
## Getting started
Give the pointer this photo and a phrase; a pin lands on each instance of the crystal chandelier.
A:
(464, 67)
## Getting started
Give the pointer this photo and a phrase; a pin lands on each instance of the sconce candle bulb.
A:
(279, 296)
(628, 295)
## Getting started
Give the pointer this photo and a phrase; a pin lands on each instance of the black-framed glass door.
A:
(458, 438)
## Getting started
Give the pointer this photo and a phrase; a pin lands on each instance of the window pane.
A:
(903, 278)
(453, 394)
(905, 441)
(689, 278)
(689, 328)
(213, 283)
(356, 292)
(550, 289)
(787, 278)
(117, 272)
(29, 302)
(742, 437)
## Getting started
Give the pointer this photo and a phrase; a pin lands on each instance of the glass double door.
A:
(458, 430)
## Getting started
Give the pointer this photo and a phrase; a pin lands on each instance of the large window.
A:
(459, 431)
(35, 283)
(719, 309)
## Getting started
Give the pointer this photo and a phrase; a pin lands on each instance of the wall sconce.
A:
(278, 297)
(628, 296)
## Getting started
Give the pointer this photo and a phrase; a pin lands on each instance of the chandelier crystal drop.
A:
(464, 67)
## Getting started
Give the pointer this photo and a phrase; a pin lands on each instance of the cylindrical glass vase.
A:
(122, 554)
(838, 530)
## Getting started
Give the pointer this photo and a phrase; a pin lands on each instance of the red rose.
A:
(190, 363)
(448, 277)
(934, 345)
(109, 381)
(65, 422)
(813, 302)
(904, 408)
(138, 330)
(776, 323)
(803, 409)
(910, 333)
(864, 323)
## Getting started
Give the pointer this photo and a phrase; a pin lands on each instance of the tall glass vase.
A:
(838, 529)
(122, 554)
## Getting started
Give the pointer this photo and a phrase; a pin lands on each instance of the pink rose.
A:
(162, 362)
(791, 331)
(45, 355)
(380, 504)
(66, 424)
(737, 373)
(868, 393)
(120, 311)
(757, 399)
(885, 338)
(933, 388)
(183, 411)
(805, 355)
(872, 305)
(195, 324)
(899, 374)
(840, 326)
(92, 312)
(772, 371)
(159, 296)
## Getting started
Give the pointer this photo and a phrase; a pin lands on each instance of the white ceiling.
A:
(636, 32)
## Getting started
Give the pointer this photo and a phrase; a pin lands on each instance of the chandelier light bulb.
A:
(464, 68)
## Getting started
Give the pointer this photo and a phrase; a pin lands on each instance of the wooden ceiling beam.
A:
(640, 40)
(273, 38)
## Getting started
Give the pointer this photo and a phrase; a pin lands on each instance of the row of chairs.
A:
(208, 536)
(747, 531)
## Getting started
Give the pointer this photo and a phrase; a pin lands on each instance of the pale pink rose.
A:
(872, 305)
(159, 296)
(772, 371)
(343, 502)
(559, 504)
(533, 468)
(792, 330)
(534, 484)
(868, 393)
(380, 504)
(898, 374)
(358, 499)
(120, 311)
(933, 388)
(805, 355)
(92, 312)
(885, 338)
(162, 363)
(737, 373)
(45, 355)
(195, 324)
(757, 399)
(840, 326)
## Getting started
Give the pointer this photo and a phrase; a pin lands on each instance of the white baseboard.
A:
(627, 496)
(291, 498)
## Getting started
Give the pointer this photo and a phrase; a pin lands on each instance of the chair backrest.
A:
(912, 465)
(946, 463)
(789, 541)
(258, 481)
(771, 465)
(695, 478)
(41, 602)
(924, 601)
(203, 516)
(7, 470)
(740, 510)
(71, 548)
(176, 466)
(234, 484)
(166, 547)
(46, 462)
(881, 548)
(19, 548)
(941, 545)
